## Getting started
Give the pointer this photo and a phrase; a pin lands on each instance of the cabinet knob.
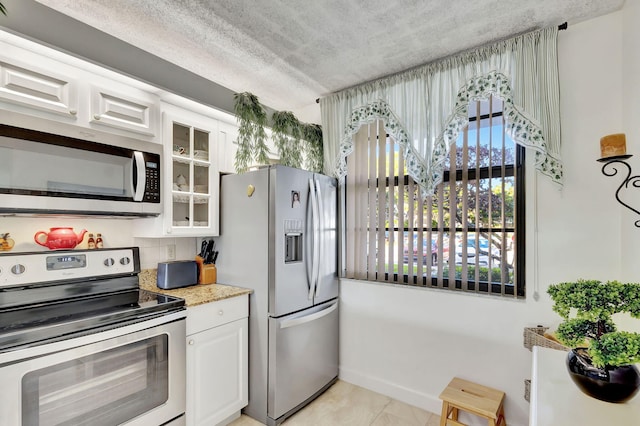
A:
(220, 312)
(191, 342)
(97, 117)
(73, 112)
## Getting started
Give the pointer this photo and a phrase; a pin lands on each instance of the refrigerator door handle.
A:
(320, 234)
(308, 318)
(316, 242)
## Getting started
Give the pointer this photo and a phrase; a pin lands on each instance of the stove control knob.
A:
(125, 261)
(17, 269)
(109, 261)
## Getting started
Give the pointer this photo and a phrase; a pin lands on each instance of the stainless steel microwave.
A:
(53, 174)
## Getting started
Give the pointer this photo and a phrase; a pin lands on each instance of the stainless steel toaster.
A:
(176, 274)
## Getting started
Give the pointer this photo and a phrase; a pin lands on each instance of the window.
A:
(468, 236)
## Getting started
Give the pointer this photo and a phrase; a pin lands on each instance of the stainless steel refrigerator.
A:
(279, 238)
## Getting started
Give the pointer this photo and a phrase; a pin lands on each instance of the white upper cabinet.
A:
(190, 178)
(38, 88)
(191, 175)
(130, 109)
(43, 88)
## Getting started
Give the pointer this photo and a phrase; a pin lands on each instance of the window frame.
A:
(516, 170)
(517, 229)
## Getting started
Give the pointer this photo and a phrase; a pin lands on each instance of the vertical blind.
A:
(464, 231)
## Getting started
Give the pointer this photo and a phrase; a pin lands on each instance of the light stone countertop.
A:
(193, 295)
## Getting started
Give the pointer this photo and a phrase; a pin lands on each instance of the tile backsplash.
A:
(154, 250)
(115, 233)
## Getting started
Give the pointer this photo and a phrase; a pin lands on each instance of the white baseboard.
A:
(401, 393)
(409, 396)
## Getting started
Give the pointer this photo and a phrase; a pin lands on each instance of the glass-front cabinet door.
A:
(192, 176)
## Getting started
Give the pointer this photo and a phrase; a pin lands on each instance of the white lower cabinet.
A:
(217, 361)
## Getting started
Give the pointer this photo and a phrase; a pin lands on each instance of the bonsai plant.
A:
(602, 356)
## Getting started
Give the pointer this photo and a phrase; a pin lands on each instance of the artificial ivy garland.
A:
(292, 138)
(252, 119)
(312, 135)
(286, 135)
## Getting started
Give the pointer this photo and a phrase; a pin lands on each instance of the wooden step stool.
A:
(473, 398)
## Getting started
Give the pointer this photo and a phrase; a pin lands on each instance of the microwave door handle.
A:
(138, 184)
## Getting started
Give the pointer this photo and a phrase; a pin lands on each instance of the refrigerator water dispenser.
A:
(293, 247)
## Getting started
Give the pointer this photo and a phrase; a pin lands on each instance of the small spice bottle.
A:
(91, 243)
(99, 243)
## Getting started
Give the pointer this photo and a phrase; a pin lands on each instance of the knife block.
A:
(208, 274)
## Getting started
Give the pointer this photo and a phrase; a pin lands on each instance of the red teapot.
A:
(59, 238)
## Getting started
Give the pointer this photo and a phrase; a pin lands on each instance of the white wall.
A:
(630, 113)
(631, 126)
(115, 232)
(409, 342)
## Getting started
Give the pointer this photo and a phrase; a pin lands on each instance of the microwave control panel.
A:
(152, 179)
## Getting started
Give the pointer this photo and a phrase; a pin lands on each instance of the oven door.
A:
(136, 378)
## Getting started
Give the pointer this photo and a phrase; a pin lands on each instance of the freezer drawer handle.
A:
(303, 320)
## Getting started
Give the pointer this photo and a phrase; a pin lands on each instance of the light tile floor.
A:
(347, 404)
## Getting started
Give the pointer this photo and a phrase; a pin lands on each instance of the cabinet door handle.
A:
(97, 117)
(191, 342)
(73, 112)
(220, 312)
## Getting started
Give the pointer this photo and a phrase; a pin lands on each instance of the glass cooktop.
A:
(44, 322)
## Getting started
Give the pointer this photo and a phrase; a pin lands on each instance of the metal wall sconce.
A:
(614, 153)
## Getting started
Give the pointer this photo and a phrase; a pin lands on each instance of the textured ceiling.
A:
(290, 52)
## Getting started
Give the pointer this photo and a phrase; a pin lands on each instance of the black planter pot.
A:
(611, 384)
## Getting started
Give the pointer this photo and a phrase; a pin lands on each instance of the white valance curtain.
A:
(424, 108)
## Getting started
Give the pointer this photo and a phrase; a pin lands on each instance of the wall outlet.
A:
(171, 252)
